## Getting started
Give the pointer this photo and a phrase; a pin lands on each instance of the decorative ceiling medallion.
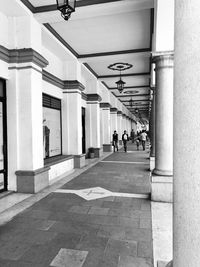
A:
(120, 66)
(131, 92)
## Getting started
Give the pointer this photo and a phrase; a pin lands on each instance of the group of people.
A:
(141, 138)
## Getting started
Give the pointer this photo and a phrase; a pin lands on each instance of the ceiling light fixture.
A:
(66, 7)
(120, 67)
(131, 102)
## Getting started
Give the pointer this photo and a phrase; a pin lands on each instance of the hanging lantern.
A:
(131, 102)
(66, 7)
(120, 85)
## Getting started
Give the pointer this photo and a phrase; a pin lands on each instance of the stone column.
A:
(123, 123)
(106, 130)
(72, 122)
(119, 126)
(93, 123)
(152, 130)
(113, 117)
(186, 224)
(162, 174)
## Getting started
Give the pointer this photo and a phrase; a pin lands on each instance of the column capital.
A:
(93, 97)
(113, 110)
(74, 84)
(163, 59)
(119, 113)
(105, 105)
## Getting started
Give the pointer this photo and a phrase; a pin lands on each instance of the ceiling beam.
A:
(124, 75)
(135, 100)
(90, 69)
(47, 8)
(114, 53)
(131, 87)
(132, 95)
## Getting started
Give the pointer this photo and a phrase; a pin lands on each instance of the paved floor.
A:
(67, 230)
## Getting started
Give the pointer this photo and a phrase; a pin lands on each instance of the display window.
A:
(51, 126)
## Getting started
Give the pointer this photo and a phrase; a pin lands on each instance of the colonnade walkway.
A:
(101, 218)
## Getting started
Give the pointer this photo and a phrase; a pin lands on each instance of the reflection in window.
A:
(51, 126)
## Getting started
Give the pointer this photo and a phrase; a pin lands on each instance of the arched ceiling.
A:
(103, 32)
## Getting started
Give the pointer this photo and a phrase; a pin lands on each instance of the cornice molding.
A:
(74, 84)
(24, 55)
(113, 109)
(27, 55)
(4, 54)
(50, 78)
(68, 84)
(105, 105)
(84, 96)
(93, 97)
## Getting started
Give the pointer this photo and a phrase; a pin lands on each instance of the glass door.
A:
(3, 138)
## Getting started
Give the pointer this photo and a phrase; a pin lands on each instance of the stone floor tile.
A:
(69, 258)
(129, 222)
(114, 232)
(109, 260)
(40, 254)
(145, 249)
(138, 234)
(111, 204)
(92, 241)
(66, 240)
(98, 211)
(121, 212)
(79, 209)
(120, 247)
(13, 250)
(93, 258)
(127, 261)
(145, 223)
(146, 206)
(9, 263)
(38, 237)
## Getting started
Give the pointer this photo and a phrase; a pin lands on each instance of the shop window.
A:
(51, 126)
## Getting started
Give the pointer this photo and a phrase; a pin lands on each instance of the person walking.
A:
(143, 137)
(138, 142)
(132, 135)
(115, 140)
(125, 139)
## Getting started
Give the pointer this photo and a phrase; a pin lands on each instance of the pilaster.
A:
(93, 123)
(72, 120)
(106, 129)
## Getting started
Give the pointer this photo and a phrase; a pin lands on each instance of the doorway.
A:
(83, 131)
(3, 138)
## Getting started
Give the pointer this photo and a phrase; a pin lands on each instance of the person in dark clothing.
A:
(125, 139)
(115, 140)
(132, 136)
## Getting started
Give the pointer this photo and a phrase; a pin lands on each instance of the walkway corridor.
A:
(95, 220)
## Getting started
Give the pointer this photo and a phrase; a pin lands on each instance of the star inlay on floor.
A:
(99, 192)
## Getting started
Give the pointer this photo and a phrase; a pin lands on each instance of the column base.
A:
(165, 264)
(161, 188)
(162, 172)
(79, 161)
(152, 163)
(97, 152)
(107, 148)
(32, 181)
